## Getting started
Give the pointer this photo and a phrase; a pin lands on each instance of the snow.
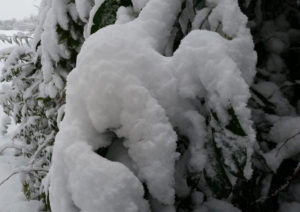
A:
(289, 206)
(123, 84)
(60, 8)
(56, 14)
(285, 132)
(219, 76)
(126, 97)
(273, 93)
(215, 205)
(151, 139)
(12, 198)
(84, 7)
(115, 188)
(124, 15)
(8, 33)
(139, 4)
(93, 11)
(199, 20)
(52, 50)
(5, 45)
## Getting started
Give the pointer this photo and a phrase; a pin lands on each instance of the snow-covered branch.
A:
(22, 170)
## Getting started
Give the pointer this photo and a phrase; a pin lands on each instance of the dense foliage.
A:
(253, 174)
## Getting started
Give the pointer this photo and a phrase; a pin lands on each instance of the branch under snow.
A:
(22, 170)
(10, 145)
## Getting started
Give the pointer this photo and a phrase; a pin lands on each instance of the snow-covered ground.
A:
(12, 198)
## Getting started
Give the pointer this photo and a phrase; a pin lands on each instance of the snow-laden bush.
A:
(275, 102)
(132, 104)
(34, 94)
(165, 109)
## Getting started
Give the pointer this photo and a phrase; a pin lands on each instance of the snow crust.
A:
(123, 84)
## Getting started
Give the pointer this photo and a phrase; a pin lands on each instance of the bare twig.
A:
(295, 174)
(285, 142)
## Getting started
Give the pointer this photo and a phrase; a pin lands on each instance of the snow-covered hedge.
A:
(174, 105)
(125, 85)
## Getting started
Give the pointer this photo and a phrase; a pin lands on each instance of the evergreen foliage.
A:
(239, 169)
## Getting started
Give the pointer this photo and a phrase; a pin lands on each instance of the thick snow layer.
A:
(52, 50)
(124, 15)
(114, 189)
(83, 7)
(56, 16)
(122, 83)
(123, 103)
(139, 4)
(60, 8)
(219, 76)
(233, 22)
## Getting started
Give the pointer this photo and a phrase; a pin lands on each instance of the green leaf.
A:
(219, 183)
(107, 14)
(234, 125)
(215, 116)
